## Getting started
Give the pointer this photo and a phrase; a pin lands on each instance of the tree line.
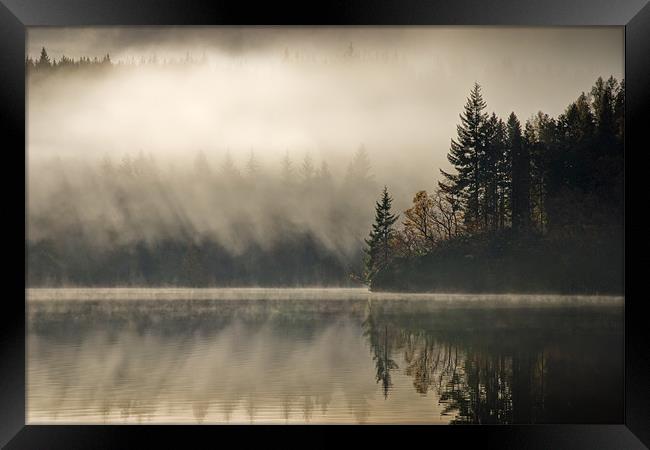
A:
(512, 191)
(135, 221)
(46, 64)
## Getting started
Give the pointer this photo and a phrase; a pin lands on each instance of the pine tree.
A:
(286, 171)
(490, 172)
(252, 166)
(541, 137)
(65, 61)
(603, 97)
(377, 251)
(520, 175)
(465, 155)
(324, 175)
(619, 110)
(532, 142)
(307, 169)
(29, 64)
(503, 174)
(359, 168)
(44, 61)
(607, 105)
(574, 158)
(229, 170)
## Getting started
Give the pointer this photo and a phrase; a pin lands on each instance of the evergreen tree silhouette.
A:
(377, 251)
(465, 155)
(520, 175)
(252, 165)
(307, 170)
(287, 170)
(359, 168)
(44, 61)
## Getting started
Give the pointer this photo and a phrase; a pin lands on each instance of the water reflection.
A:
(507, 366)
(343, 361)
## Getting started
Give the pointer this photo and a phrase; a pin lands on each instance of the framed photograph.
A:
(338, 216)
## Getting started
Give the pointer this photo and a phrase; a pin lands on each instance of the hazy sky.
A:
(397, 90)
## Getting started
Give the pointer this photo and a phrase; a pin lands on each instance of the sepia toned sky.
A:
(326, 91)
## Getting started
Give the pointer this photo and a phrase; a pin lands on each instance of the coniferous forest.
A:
(532, 207)
(524, 205)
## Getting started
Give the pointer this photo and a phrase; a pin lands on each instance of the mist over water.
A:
(329, 359)
(411, 301)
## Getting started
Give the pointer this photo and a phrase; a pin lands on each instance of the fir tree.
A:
(465, 155)
(44, 60)
(540, 135)
(324, 175)
(491, 173)
(520, 175)
(287, 172)
(603, 98)
(307, 169)
(359, 168)
(252, 166)
(29, 64)
(229, 170)
(503, 172)
(378, 242)
(619, 110)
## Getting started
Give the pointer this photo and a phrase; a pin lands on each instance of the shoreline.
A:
(312, 294)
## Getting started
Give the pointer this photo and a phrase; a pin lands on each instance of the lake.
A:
(321, 356)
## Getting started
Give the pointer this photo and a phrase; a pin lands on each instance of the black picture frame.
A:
(16, 15)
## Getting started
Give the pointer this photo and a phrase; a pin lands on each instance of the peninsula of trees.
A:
(534, 208)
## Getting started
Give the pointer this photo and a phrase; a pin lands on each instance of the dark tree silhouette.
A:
(44, 60)
(520, 175)
(378, 243)
(495, 178)
(465, 156)
(558, 184)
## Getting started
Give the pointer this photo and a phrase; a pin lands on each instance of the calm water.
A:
(321, 356)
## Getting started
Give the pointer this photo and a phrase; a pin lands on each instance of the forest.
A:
(212, 220)
(523, 207)
(131, 222)
(536, 207)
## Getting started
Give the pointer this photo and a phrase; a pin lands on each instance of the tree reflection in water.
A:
(492, 367)
(380, 344)
(290, 361)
